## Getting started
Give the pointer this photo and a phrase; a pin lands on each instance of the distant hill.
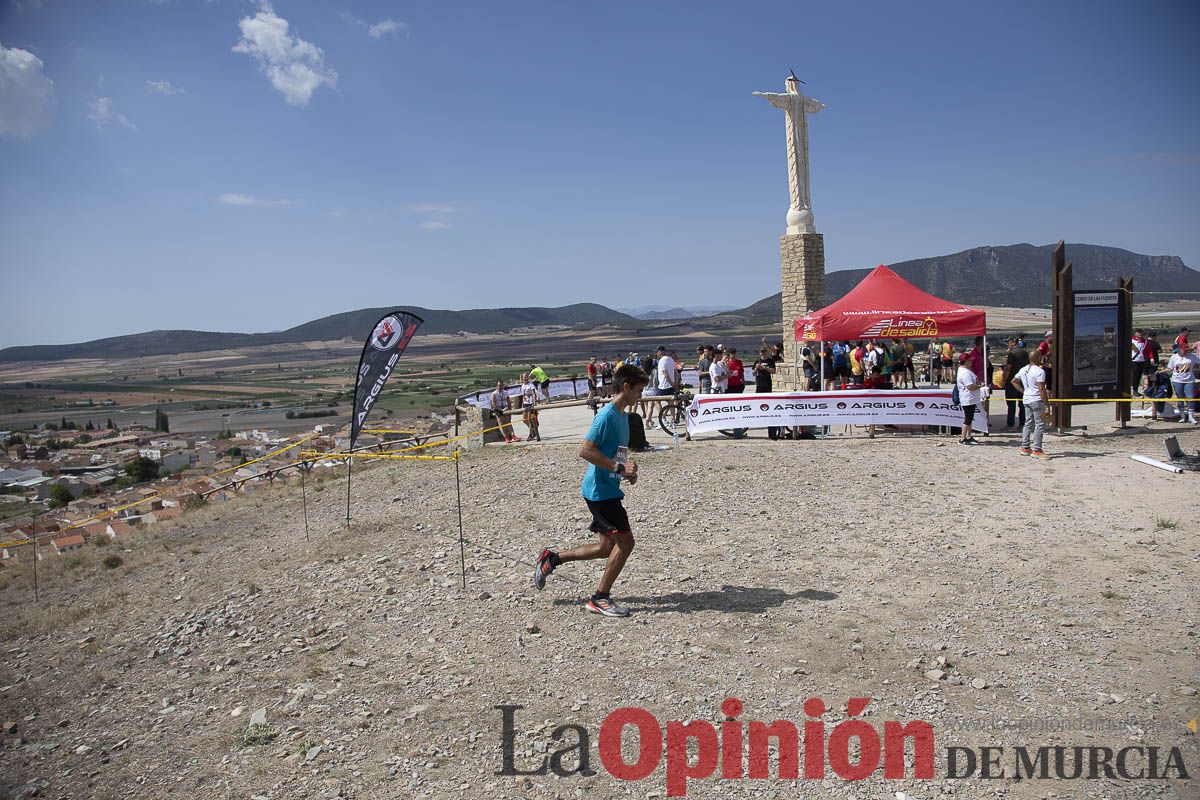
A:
(354, 324)
(669, 312)
(1015, 275)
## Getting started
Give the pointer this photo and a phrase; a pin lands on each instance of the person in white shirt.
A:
(529, 413)
(499, 405)
(871, 359)
(719, 372)
(968, 396)
(1183, 366)
(1030, 381)
(667, 382)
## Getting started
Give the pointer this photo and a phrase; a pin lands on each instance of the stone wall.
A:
(802, 263)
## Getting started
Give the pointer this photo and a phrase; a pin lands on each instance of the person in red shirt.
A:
(1181, 341)
(737, 382)
(1046, 348)
(591, 378)
(875, 380)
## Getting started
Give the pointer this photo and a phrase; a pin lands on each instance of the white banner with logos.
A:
(712, 412)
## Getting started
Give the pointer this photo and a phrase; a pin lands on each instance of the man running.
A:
(606, 449)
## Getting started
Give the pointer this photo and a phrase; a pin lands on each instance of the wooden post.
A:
(1062, 350)
(1124, 366)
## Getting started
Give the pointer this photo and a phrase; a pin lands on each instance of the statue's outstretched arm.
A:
(779, 100)
(812, 106)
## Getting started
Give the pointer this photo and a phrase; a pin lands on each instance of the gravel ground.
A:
(1003, 600)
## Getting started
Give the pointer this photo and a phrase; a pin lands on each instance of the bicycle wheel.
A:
(672, 418)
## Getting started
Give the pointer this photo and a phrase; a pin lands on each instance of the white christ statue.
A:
(797, 106)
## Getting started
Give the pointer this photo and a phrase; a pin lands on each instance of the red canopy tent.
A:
(885, 306)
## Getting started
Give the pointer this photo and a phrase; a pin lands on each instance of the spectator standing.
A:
(737, 372)
(968, 396)
(719, 373)
(529, 412)
(1031, 382)
(1183, 365)
(737, 383)
(1181, 341)
(935, 362)
(1137, 353)
(649, 365)
(899, 371)
(840, 358)
(1153, 355)
(808, 363)
(871, 357)
(593, 373)
(703, 364)
(1046, 348)
(947, 361)
(856, 363)
(910, 363)
(1015, 361)
(763, 369)
(668, 375)
(499, 404)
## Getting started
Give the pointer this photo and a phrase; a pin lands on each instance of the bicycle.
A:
(673, 416)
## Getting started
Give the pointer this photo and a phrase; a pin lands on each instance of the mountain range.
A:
(1015, 275)
(1012, 275)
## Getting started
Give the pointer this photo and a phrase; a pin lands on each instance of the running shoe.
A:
(1041, 455)
(605, 607)
(1026, 451)
(542, 569)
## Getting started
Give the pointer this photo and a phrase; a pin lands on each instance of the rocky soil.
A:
(1005, 601)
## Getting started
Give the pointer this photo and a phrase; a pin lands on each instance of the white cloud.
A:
(235, 199)
(435, 225)
(26, 94)
(295, 68)
(163, 87)
(387, 26)
(100, 111)
(432, 208)
(379, 29)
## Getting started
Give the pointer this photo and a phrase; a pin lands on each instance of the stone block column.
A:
(802, 263)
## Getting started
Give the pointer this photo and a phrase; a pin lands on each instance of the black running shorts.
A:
(608, 516)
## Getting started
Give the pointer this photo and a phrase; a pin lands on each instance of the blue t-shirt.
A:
(610, 430)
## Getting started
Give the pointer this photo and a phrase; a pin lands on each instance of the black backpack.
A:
(637, 432)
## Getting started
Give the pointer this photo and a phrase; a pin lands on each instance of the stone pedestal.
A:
(802, 263)
(473, 419)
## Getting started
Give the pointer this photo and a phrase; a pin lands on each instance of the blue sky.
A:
(249, 167)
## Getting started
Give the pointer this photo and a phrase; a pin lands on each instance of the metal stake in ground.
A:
(35, 565)
(349, 459)
(462, 548)
(304, 498)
